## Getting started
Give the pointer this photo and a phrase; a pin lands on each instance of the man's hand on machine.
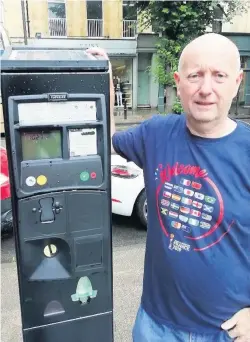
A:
(96, 51)
(93, 52)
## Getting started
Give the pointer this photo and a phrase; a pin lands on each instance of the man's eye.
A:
(221, 75)
(193, 77)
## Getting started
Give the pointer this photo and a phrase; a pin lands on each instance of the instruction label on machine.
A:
(82, 142)
(44, 113)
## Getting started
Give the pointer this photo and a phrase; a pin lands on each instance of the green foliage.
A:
(181, 18)
(177, 107)
(179, 22)
(58, 9)
(167, 60)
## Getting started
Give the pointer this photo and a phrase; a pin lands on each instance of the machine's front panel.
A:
(64, 240)
(59, 150)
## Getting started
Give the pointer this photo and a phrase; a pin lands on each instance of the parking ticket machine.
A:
(56, 112)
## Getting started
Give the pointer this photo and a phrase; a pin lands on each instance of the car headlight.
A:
(124, 171)
(3, 179)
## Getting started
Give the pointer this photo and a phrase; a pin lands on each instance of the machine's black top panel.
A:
(35, 59)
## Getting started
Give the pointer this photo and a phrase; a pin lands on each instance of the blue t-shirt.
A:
(197, 262)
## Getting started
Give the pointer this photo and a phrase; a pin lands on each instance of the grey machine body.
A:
(56, 114)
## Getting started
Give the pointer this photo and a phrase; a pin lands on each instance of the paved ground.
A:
(137, 116)
(128, 257)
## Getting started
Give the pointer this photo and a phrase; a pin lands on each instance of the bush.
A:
(177, 107)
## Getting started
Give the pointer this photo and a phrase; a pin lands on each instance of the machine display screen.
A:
(45, 144)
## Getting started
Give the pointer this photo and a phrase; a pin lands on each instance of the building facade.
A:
(239, 32)
(114, 26)
(110, 24)
(67, 18)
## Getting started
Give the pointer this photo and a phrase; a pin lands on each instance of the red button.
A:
(93, 175)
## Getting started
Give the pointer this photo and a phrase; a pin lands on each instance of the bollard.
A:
(125, 110)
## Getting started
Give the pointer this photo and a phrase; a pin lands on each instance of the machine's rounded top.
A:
(37, 58)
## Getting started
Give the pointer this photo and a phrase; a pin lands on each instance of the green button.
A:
(84, 176)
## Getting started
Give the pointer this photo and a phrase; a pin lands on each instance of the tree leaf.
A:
(179, 23)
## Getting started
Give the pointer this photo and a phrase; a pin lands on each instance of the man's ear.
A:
(177, 82)
(238, 81)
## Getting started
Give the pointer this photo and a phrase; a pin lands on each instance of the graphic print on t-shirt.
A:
(190, 206)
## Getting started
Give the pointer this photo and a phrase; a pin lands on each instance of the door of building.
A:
(143, 89)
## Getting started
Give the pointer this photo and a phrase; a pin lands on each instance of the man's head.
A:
(208, 78)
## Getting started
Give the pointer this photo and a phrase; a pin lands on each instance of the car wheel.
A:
(7, 224)
(141, 208)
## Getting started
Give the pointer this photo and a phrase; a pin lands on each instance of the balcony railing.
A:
(57, 27)
(129, 28)
(95, 28)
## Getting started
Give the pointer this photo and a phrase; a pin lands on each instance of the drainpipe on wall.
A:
(24, 23)
(161, 91)
(28, 18)
(161, 105)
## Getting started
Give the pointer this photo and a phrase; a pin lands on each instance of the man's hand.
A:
(95, 51)
(238, 326)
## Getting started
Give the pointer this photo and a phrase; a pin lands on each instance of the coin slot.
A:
(50, 251)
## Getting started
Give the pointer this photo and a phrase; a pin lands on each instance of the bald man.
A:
(196, 284)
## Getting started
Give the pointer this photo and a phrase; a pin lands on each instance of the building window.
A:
(243, 62)
(129, 19)
(57, 18)
(122, 71)
(94, 18)
(243, 85)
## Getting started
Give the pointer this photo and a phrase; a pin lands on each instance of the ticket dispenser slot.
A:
(59, 156)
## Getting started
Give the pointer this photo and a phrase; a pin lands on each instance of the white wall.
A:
(240, 24)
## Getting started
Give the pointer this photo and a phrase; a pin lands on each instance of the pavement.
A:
(135, 117)
(128, 259)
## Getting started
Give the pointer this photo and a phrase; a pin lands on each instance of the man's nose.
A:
(206, 86)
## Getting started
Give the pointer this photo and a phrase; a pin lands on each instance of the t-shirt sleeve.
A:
(130, 144)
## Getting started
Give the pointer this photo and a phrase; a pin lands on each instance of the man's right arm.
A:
(112, 106)
(129, 143)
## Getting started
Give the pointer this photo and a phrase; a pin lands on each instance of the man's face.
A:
(207, 83)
